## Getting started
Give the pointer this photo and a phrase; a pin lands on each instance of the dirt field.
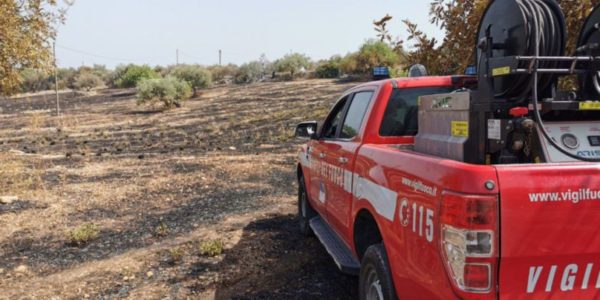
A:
(115, 200)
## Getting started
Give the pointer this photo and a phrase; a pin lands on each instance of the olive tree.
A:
(87, 81)
(292, 63)
(128, 76)
(371, 54)
(196, 76)
(169, 90)
(249, 73)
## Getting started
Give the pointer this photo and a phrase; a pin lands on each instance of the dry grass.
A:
(36, 120)
(210, 248)
(83, 234)
(22, 176)
(155, 183)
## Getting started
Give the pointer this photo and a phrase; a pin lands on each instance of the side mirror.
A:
(306, 130)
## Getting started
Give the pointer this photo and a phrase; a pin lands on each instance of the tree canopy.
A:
(459, 19)
(196, 76)
(292, 63)
(26, 30)
(371, 54)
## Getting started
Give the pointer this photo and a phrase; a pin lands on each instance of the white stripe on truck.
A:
(380, 197)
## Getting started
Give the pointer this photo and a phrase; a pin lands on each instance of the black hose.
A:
(537, 17)
(594, 77)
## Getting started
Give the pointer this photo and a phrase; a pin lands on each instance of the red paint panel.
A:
(550, 236)
(417, 264)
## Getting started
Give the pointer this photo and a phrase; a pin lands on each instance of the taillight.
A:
(469, 240)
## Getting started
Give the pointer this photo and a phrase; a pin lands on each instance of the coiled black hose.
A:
(541, 19)
(537, 15)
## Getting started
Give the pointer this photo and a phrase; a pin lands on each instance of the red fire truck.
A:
(482, 187)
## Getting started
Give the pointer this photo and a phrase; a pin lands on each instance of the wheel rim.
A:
(374, 289)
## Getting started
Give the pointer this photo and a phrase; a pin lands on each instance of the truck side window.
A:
(401, 116)
(331, 125)
(356, 114)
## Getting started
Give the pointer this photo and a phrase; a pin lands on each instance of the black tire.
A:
(305, 211)
(375, 280)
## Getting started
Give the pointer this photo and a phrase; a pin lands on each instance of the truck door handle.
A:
(322, 155)
(343, 160)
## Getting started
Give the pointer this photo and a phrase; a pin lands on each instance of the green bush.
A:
(371, 54)
(249, 73)
(87, 81)
(329, 68)
(33, 80)
(66, 78)
(130, 75)
(169, 90)
(293, 63)
(210, 248)
(196, 76)
(83, 234)
(102, 72)
(222, 73)
(83, 78)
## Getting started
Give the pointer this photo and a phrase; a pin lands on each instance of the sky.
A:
(113, 32)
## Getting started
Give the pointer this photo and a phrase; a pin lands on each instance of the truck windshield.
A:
(401, 116)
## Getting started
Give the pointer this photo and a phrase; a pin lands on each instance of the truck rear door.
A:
(549, 231)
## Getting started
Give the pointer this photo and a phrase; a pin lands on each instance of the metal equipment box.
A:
(447, 127)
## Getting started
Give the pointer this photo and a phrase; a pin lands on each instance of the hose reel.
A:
(589, 44)
(508, 29)
(521, 54)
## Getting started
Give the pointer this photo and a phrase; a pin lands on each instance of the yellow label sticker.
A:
(501, 71)
(589, 105)
(460, 128)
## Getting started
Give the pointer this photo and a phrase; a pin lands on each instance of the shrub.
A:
(176, 255)
(33, 80)
(66, 78)
(162, 229)
(83, 234)
(211, 248)
(129, 76)
(169, 90)
(293, 63)
(197, 77)
(349, 64)
(329, 68)
(249, 73)
(87, 81)
(371, 54)
(161, 70)
(102, 72)
(220, 74)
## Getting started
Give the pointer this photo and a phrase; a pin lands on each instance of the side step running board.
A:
(338, 250)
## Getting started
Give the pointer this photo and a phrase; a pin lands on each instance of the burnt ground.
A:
(156, 184)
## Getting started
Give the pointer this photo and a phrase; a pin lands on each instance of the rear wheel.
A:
(375, 282)
(305, 211)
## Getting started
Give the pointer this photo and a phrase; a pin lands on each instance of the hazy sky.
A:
(112, 32)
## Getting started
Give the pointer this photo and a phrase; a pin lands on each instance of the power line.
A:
(179, 54)
(104, 56)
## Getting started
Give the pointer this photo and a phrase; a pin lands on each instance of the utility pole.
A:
(56, 80)
(177, 56)
(220, 57)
